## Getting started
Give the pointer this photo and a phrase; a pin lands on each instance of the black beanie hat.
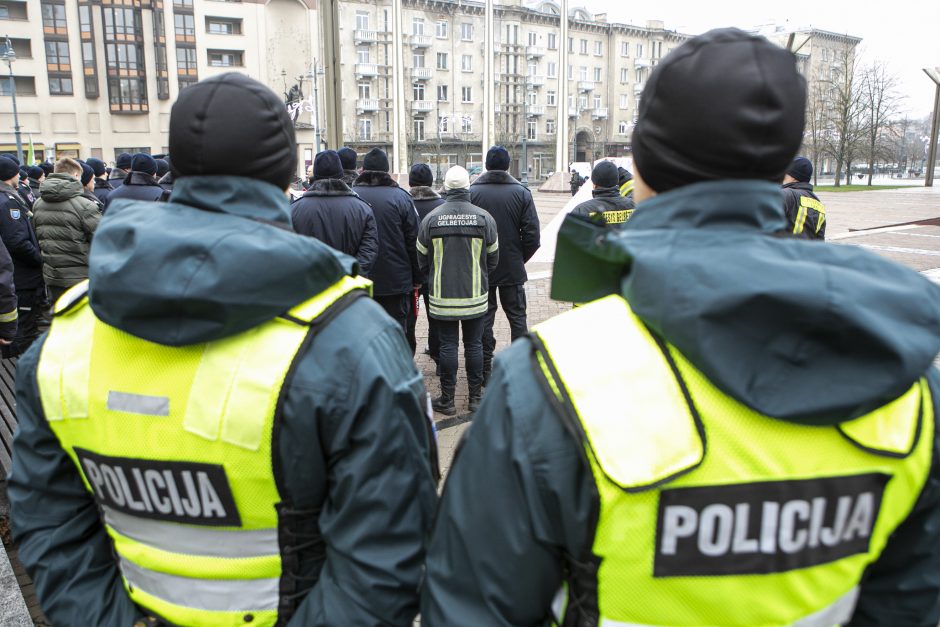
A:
(347, 157)
(12, 158)
(162, 167)
(326, 165)
(8, 168)
(97, 165)
(231, 124)
(376, 160)
(497, 158)
(142, 162)
(726, 104)
(123, 161)
(623, 175)
(24, 172)
(35, 172)
(801, 169)
(420, 176)
(88, 172)
(605, 174)
(47, 167)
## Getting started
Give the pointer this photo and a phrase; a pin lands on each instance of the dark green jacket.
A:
(354, 444)
(761, 316)
(65, 222)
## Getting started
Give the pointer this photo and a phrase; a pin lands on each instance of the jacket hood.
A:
(606, 192)
(802, 331)
(60, 187)
(141, 178)
(500, 177)
(421, 192)
(799, 185)
(457, 195)
(219, 259)
(329, 187)
(375, 178)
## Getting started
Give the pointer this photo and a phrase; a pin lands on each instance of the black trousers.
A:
(434, 339)
(398, 307)
(32, 320)
(512, 298)
(449, 331)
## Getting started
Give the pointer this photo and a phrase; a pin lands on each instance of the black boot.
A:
(475, 395)
(487, 371)
(444, 404)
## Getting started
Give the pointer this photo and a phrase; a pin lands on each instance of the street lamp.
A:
(934, 74)
(525, 131)
(9, 55)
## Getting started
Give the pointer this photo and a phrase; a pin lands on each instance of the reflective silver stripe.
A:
(138, 404)
(839, 613)
(191, 539)
(213, 595)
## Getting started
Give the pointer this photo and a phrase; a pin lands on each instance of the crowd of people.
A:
(225, 425)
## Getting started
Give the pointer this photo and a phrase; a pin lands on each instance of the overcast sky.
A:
(904, 34)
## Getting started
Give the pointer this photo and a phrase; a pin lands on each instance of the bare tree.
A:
(880, 101)
(846, 112)
(818, 127)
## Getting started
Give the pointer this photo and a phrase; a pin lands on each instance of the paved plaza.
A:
(900, 224)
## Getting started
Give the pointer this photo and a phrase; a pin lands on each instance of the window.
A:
(639, 51)
(443, 125)
(598, 48)
(624, 75)
(466, 94)
(466, 125)
(622, 128)
(582, 75)
(365, 130)
(597, 75)
(53, 19)
(624, 101)
(550, 99)
(552, 69)
(570, 73)
(184, 27)
(533, 69)
(25, 86)
(442, 60)
(533, 38)
(531, 130)
(127, 94)
(365, 91)
(418, 59)
(625, 49)
(552, 41)
(532, 98)
(441, 29)
(582, 103)
(419, 129)
(362, 20)
(639, 75)
(584, 46)
(466, 32)
(466, 63)
(442, 93)
(512, 34)
(418, 91)
(225, 58)
(57, 56)
(124, 23)
(363, 55)
(86, 26)
(186, 61)
(550, 127)
(597, 102)
(417, 26)
(217, 26)
(571, 102)
(183, 4)
(571, 44)
(60, 86)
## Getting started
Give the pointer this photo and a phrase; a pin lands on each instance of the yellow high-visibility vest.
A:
(175, 443)
(711, 513)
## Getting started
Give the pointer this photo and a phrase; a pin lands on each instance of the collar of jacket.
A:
(140, 178)
(117, 173)
(33, 182)
(6, 187)
(329, 187)
(101, 183)
(457, 195)
(799, 185)
(420, 192)
(352, 173)
(234, 195)
(499, 177)
(605, 192)
(375, 178)
(90, 196)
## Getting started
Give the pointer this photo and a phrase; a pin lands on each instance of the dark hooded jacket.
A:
(426, 200)
(511, 205)
(353, 440)
(103, 189)
(813, 223)
(8, 303)
(607, 207)
(25, 191)
(335, 215)
(137, 186)
(396, 267)
(117, 176)
(762, 317)
(65, 221)
(19, 237)
(34, 187)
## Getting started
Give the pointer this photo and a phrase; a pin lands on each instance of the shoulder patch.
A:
(15, 213)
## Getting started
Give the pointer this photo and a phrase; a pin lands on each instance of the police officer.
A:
(221, 428)
(806, 214)
(19, 237)
(716, 440)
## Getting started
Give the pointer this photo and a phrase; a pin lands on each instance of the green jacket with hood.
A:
(808, 333)
(354, 450)
(65, 222)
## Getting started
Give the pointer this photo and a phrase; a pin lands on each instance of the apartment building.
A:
(97, 77)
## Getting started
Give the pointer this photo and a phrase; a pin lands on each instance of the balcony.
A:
(422, 73)
(365, 36)
(536, 81)
(367, 69)
(573, 113)
(366, 105)
(536, 109)
(642, 62)
(422, 106)
(535, 52)
(599, 113)
(421, 41)
(585, 85)
(638, 88)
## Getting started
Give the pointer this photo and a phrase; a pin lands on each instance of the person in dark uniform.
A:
(805, 212)
(19, 238)
(607, 206)
(102, 187)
